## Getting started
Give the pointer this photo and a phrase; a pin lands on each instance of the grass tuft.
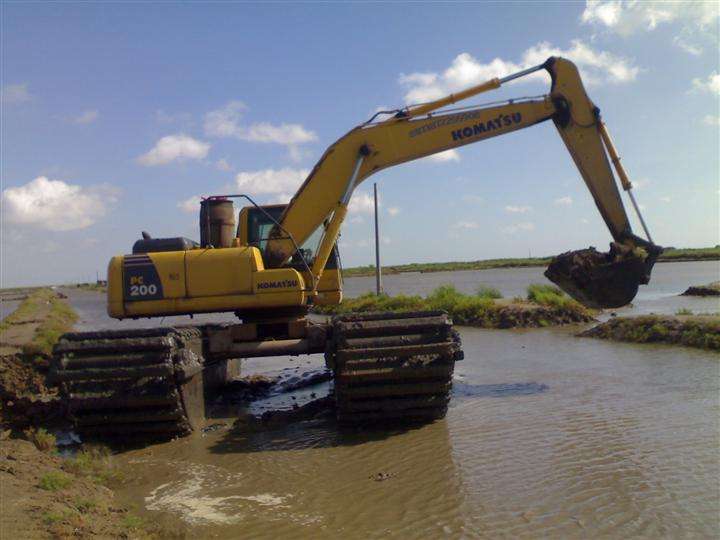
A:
(40, 437)
(94, 462)
(488, 292)
(54, 481)
(480, 309)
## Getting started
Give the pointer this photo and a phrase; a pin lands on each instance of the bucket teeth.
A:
(122, 383)
(393, 367)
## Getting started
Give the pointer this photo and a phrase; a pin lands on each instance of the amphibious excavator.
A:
(282, 260)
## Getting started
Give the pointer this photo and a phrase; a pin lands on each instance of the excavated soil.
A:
(700, 332)
(711, 289)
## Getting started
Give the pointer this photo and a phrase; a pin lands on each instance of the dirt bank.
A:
(711, 289)
(692, 331)
(543, 306)
(47, 496)
(26, 339)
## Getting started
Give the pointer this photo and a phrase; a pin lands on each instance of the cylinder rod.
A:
(378, 270)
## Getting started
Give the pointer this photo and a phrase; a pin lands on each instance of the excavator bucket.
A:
(602, 280)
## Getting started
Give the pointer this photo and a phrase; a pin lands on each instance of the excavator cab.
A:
(254, 226)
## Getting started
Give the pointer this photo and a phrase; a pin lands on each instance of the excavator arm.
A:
(414, 133)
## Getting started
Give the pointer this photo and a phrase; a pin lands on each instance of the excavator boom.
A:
(417, 132)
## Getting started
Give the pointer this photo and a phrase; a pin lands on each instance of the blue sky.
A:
(116, 117)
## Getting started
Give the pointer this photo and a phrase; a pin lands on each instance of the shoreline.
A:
(713, 254)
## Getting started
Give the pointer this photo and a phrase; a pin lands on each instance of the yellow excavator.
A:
(283, 259)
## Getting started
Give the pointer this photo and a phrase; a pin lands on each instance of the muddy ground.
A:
(702, 332)
(711, 289)
(42, 499)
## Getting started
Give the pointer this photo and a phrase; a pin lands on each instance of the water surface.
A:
(547, 435)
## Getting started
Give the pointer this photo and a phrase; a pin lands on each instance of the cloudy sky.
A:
(117, 118)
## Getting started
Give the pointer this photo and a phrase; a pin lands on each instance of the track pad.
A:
(601, 280)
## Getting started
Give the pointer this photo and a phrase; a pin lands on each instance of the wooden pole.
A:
(378, 271)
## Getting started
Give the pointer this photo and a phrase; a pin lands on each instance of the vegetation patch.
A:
(699, 331)
(95, 463)
(46, 315)
(543, 307)
(43, 441)
(54, 481)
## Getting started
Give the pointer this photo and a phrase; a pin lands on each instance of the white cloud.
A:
(710, 84)
(361, 203)
(627, 17)
(693, 20)
(174, 147)
(584, 221)
(466, 225)
(689, 48)
(393, 211)
(223, 165)
(56, 205)
(86, 117)
(225, 122)
(524, 226)
(15, 93)
(665, 199)
(281, 182)
(465, 70)
(191, 205)
(444, 157)
(564, 201)
(711, 120)
(517, 209)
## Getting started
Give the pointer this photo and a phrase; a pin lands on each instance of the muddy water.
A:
(7, 307)
(547, 435)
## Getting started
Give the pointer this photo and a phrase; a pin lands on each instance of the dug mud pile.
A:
(700, 331)
(602, 280)
(711, 289)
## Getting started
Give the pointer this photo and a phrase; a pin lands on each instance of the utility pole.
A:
(378, 271)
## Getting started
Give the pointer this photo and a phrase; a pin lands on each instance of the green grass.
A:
(684, 311)
(55, 481)
(480, 309)
(669, 255)
(52, 315)
(94, 462)
(548, 295)
(690, 254)
(60, 319)
(85, 505)
(488, 292)
(132, 522)
(53, 518)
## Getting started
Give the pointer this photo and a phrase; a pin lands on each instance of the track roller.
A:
(392, 366)
(132, 382)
